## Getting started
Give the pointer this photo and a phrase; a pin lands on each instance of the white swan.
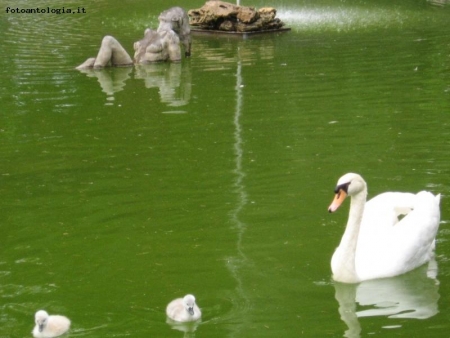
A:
(49, 326)
(183, 309)
(377, 241)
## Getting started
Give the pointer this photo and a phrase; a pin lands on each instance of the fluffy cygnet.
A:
(49, 326)
(183, 309)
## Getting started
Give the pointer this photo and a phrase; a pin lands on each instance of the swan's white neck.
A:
(343, 262)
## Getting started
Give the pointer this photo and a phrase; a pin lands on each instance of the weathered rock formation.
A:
(224, 16)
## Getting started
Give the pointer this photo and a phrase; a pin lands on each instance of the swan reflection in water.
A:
(188, 328)
(414, 295)
(172, 79)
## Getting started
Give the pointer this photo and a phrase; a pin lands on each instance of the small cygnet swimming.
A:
(50, 326)
(183, 309)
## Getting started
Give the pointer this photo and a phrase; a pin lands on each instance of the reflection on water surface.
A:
(123, 188)
(414, 296)
(172, 80)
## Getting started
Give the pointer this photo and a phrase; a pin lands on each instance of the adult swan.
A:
(387, 236)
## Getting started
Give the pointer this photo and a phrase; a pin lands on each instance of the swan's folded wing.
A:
(416, 232)
(388, 246)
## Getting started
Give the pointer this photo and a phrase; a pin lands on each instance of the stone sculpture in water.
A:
(176, 19)
(154, 47)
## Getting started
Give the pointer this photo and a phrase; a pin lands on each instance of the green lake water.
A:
(123, 189)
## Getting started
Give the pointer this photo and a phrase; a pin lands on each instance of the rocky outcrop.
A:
(224, 16)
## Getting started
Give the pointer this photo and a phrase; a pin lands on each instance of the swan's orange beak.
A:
(338, 199)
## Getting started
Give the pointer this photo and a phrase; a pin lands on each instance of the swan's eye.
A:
(343, 187)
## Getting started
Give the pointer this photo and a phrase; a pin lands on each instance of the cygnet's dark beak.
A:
(191, 311)
(41, 327)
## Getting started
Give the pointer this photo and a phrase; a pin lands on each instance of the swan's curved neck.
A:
(343, 264)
